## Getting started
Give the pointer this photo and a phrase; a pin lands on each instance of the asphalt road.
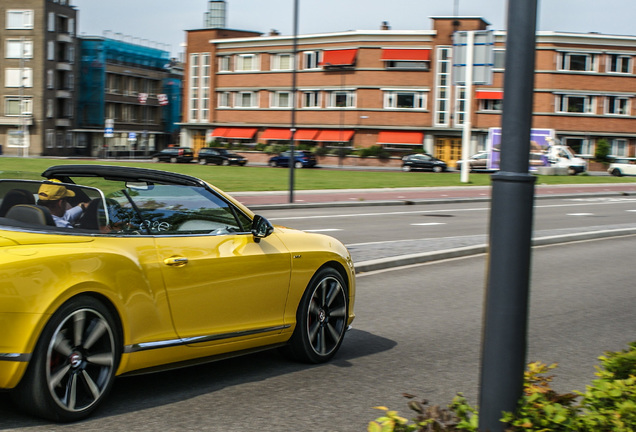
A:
(417, 330)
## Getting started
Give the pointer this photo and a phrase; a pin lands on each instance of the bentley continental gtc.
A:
(110, 271)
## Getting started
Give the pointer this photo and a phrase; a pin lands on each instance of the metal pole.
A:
(508, 283)
(292, 159)
(468, 102)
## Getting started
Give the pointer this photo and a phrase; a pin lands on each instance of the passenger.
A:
(54, 197)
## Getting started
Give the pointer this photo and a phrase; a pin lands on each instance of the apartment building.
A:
(129, 98)
(394, 88)
(37, 77)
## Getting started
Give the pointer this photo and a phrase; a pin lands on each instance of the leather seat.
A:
(31, 214)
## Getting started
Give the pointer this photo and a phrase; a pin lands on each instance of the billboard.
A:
(540, 140)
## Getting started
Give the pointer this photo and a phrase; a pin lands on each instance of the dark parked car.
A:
(303, 159)
(423, 162)
(220, 156)
(174, 155)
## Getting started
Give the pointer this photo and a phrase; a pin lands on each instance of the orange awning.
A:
(483, 94)
(306, 134)
(240, 133)
(406, 54)
(219, 132)
(346, 57)
(276, 134)
(334, 135)
(400, 137)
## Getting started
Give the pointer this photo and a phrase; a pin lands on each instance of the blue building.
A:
(129, 100)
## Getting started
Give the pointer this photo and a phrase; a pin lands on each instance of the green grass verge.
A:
(235, 179)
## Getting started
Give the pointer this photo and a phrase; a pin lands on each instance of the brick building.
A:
(393, 88)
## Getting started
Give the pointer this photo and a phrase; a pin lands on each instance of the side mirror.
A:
(261, 228)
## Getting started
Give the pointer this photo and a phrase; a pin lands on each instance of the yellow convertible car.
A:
(110, 270)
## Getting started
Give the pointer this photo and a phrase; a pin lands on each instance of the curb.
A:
(404, 260)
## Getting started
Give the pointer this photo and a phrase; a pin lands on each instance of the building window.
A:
(223, 99)
(17, 107)
(51, 22)
(19, 49)
(50, 50)
(575, 104)
(618, 148)
(618, 63)
(577, 62)
(225, 64)
(17, 77)
(443, 86)
(499, 59)
(50, 138)
(50, 108)
(311, 99)
(311, 59)
(403, 64)
(490, 105)
(342, 99)
(400, 99)
(580, 146)
(617, 105)
(247, 62)
(246, 100)
(19, 19)
(282, 62)
(281, 99)
(460, 105)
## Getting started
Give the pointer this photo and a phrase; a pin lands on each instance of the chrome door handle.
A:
(176, 261)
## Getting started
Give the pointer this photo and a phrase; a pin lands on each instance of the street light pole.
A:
(292, 159)
(504, 342)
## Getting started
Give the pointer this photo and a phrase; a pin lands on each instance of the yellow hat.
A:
(53, 192)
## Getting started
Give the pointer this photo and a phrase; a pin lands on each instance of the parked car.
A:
(302, 158)
(220, 156)
(174, 155)
(161, 270)
(477, 162)
(621, 167)
(422, 161)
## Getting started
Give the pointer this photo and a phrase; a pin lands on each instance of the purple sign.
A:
(539, 144)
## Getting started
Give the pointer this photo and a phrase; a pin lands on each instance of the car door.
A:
(220, 283)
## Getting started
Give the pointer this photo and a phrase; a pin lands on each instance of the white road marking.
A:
(580, 214)
(323, 230)
(428, 224)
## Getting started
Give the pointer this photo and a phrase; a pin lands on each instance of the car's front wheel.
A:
(406, 168)
(203, 161)
(74, 363)
(616, 172)
(438, 169)
(298, 165)
(321, 319)
(155, 159)
(272, 164)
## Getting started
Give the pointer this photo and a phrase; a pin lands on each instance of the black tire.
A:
(616, 172)
(74, 363)
(321, 319)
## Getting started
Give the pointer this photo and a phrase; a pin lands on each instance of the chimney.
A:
(385, 26)
(274, 32)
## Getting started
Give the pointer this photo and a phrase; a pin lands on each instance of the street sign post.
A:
(473, 60)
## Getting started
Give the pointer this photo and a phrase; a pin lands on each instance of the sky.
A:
(165, 21)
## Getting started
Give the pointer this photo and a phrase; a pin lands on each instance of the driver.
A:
(54, 197)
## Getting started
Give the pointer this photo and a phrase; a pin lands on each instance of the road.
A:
(417, 330)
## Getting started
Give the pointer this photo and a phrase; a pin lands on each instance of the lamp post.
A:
(292, 160)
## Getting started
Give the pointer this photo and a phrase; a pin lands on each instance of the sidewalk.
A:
(376, 256)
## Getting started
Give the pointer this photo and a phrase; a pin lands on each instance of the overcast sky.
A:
(164, 21)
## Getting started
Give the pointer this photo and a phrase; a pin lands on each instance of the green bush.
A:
(602, 150)
(607, 405)
(374, 151)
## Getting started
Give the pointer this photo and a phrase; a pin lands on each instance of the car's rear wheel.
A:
(74, 363)
(321, 319)
(173, 160)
